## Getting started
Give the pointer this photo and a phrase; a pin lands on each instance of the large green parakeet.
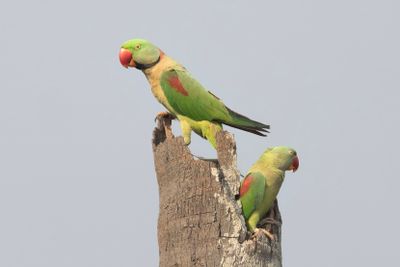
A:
(196, 108)
(261, 185)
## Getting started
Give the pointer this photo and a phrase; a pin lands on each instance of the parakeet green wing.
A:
(188, 97)
(252, 192)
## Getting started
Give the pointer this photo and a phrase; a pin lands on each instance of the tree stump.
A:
(200, 219)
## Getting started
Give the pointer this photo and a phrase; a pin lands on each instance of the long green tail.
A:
(241, 122)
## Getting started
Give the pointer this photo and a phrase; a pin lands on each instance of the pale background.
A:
(77, 184)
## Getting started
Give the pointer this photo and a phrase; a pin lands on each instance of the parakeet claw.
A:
(164, 115)
(187, 140)
(260, 231)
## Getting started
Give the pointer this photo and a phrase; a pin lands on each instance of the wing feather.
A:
(189, 98)
(252, 192)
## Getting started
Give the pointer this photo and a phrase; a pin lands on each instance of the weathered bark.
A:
(200, 222)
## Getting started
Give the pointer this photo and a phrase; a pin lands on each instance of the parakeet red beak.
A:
(126, 59)
(295, 164)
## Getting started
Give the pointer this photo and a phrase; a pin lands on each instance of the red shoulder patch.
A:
(177, 85)
(245, 185)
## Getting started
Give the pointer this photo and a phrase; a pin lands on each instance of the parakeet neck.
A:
(155, 72)
(267, 166)
(146, 66)
(153, 75)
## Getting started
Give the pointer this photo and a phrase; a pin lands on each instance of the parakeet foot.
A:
(260, 231)
(187, 140)
(164, 115)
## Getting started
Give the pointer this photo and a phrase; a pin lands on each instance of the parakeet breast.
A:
(153, 75)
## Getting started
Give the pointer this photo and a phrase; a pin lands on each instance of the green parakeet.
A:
(261, 185)
(196, 108)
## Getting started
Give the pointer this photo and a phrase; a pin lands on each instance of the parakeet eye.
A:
(291, 152)
(138, 46)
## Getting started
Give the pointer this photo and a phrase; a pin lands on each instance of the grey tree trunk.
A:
(200, 221)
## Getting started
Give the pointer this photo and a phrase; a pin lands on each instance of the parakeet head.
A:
(139, 53)
(283, 158)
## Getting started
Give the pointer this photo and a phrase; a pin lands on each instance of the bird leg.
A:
(260, 231)
(186, 131)
(272, 218)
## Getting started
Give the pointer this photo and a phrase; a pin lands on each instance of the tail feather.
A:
(248, 129)
(241, 122)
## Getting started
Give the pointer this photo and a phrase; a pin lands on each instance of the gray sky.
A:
(77, 184)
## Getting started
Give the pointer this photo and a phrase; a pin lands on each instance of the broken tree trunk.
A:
(200, 221)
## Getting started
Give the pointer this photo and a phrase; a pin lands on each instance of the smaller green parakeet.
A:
(196, 108)
(261, 185)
